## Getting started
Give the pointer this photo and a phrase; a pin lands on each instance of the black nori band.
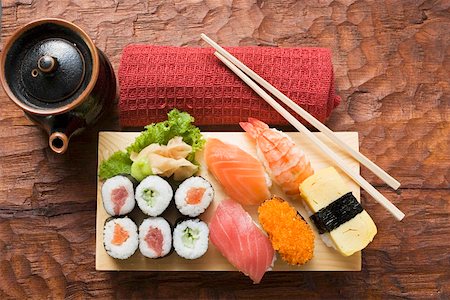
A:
(337, 213)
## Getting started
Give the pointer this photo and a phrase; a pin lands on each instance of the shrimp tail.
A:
(250, 129)
(254, 127)
(260, 125)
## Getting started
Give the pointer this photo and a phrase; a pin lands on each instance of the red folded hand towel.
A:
(155, 79)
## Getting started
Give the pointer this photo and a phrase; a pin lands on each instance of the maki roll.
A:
(190, 238)
(193, 196)
(120, 237)
(155, 237)
(153, 195)
(118, 195)
(288, 232)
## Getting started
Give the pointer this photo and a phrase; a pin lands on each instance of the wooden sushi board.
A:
(325, 259)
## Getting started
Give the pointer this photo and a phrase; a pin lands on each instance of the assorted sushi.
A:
(193, 196)
(337, 215)
(118, 195)
(155, 237)
(240, 241)
(340, 219)
(120, 237)
(190, 238)
(288, 232)
(153, 195)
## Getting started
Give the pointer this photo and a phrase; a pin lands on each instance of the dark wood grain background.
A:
(392, 63)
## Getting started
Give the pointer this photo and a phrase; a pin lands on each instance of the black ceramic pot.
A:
(53, 71)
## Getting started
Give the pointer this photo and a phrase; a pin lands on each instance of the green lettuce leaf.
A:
(177, 124)
(118, 163)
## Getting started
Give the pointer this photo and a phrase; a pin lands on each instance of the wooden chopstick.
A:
(399, 215)
(379, 172)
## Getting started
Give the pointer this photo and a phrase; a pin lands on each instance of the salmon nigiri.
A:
(239, 240)
(286, 163)
(241, 175)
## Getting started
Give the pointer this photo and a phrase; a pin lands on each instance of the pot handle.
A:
(58, 142)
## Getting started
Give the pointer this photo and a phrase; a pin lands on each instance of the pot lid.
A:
(52, 70)
(49, 66)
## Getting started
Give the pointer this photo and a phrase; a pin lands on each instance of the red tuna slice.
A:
(155, 239)
(246, 247)
(118, 197)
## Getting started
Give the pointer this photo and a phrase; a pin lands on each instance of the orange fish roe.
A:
(290, 235)
(120, 235)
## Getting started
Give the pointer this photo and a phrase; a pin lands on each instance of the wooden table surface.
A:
(392, 62)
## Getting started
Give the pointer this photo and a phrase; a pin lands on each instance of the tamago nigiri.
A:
(283, 159)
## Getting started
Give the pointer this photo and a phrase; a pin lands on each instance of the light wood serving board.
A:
(325, 259)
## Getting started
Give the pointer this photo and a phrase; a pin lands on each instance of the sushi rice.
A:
(153, 195)
(120, 237)
(325, 237)
(190, 238)
(155, 237)
(118, 195)
(193, 196)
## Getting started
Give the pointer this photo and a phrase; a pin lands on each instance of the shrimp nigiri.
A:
(284, 161)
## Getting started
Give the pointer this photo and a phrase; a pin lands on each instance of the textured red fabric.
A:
(155, 79)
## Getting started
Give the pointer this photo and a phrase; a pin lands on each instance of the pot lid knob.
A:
(47, 64)
(52, 70)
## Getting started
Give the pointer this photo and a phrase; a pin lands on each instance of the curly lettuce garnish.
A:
(118, 163)
(177, 124)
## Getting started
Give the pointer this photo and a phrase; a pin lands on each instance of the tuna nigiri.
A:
(241, 175)
(286, 163)
(233, 232)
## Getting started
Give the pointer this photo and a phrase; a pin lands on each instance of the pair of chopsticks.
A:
(246, 74)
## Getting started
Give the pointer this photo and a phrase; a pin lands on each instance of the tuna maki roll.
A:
(153, 195)
(190, 238)
(120, 237)
(155, 237)
(118, 195)
(193, 196)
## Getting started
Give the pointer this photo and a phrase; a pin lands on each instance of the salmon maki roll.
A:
(193, 196)
(120, 237)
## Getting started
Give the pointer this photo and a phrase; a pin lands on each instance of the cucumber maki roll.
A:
(190, 238)
(153, 195)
